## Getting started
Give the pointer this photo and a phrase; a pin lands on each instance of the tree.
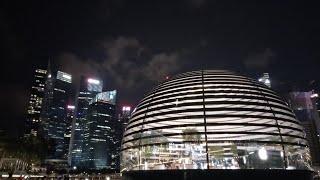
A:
(191, 135)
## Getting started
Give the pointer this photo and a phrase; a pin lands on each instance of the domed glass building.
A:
(213, 119)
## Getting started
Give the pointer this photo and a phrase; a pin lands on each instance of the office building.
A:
(35, 102)
(304, 106)
(54, 114)
(99, 139)
(89, 88)
(67, 134)
(125, 115)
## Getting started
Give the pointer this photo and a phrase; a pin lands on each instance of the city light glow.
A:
(267, 81)
(93, 81)
(126, 108)
(263, 154)
(66, 76)
(71, 107)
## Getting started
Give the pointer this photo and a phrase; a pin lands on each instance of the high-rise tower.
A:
(99, 134)
(35, 102)
(54, 114)
(304, 106)
(89, 87)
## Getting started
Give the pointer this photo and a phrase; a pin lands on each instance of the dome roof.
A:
(213, 119)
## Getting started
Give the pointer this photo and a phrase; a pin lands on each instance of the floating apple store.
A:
(213, 119)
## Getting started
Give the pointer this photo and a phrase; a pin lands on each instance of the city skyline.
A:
(92, 88)
(126, 43)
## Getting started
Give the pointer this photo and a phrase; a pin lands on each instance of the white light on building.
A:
(265, 79)
(263, 154)
(71, 107)
(126, 108)
(93, 81)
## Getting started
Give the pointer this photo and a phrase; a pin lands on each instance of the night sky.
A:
(133, 45)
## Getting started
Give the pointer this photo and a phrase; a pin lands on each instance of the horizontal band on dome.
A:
(201, 109)
(190, 117)
(199, 94)
(257, 86)
(207, 80)
(259, 96)
(211, 124)
(234, 141)
(187, 109)
(227, 103)
(216, 115)
(217, 132)
(195, 75)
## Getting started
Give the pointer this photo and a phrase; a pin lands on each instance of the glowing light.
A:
(263, 154)
(93, 81)
(267, 81)
(66, 76)
(314, 95)
(49, 76)
(71, 107)
(126, 108)
(260, 80)
(145, 165)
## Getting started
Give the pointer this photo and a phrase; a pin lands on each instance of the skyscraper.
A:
(125, 115)
(54, 114)
(35, 102)
(265, 79)
(99, 134)
(303, 105)
(67, 134)
(89, 87)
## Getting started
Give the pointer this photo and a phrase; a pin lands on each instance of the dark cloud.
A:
(126, 64)
(260, 60)
(77, 66)
(196, 3)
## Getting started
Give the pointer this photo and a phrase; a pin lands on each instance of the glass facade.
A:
(35, 102)
(89, 88)
(98, 134)
(213, 120)
(54, 120)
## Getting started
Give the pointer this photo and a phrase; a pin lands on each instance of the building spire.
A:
(49, 68)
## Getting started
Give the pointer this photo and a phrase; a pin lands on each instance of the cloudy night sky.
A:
(133, 45)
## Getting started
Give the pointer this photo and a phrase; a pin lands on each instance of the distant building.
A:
(123, 118)
(67, 134)
(303, 104)
(125, 115)
(89, 88)
(54, 114)
(99, 139)
(35, 102)
(265, 79)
